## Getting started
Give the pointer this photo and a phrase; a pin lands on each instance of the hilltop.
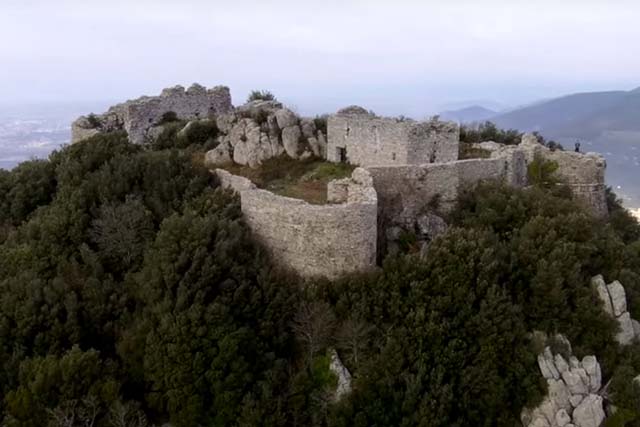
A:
(136, 289)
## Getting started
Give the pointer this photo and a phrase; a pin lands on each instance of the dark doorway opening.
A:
(342, 154)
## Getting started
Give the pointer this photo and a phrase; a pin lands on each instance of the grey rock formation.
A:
(572, 399)
(286, 118)
(291, 141)
(342, 373)
(601, 288)
(592, 368)
(219, 156)
(626, 333)
(618, 298)
(614, 301)
(560, 363)
(562, 418)
(590, 412)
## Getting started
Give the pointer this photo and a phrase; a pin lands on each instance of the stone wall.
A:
(582, 173)
(313, 240)
(138, 116)
(407, 192)
(364, 139)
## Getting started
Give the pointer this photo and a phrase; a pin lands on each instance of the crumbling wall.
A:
(408, 191)
(137, 116)
(364, 139)
(313, 240)
(583, 173)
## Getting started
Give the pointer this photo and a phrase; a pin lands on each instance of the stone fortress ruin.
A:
(408, 174)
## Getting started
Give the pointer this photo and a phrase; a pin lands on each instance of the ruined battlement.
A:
(362, 138)
(137, 116)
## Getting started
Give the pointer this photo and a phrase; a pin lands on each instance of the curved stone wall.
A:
(313, 240)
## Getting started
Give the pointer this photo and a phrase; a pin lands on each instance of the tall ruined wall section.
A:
(138, 116)
(313, 240)
(367, 140)
(582, 173)
(407, 192)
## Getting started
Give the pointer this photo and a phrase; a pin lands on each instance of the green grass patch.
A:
(300, 179)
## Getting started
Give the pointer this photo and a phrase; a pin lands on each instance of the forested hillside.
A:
(133, 294)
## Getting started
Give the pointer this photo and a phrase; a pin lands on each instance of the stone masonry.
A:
(582, 173)
(313, 240)
(138, 116)
(361, 138)
(409, 175)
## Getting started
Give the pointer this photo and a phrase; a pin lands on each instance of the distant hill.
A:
(581, 115)
(475, 113)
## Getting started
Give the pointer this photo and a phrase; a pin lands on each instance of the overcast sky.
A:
(392, 56)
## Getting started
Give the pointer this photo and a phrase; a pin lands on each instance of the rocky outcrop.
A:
(260, 130)
(573, 387)
(614, 302)
(342, 374)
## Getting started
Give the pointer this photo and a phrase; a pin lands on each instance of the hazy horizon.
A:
(404, 57)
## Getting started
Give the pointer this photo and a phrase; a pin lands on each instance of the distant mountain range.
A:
(582, 115)
(606, 122)
(470, 114)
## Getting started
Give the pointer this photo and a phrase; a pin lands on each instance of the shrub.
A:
(199, 133)
(261, 95)
(94, 121)
(168, 117)
(488, 131)
(541, 172)
(321, 123)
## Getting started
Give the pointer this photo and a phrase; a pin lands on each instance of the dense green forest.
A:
(133, 294)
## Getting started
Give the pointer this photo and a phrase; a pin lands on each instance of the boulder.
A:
(344, 377)
(221, 155)
(589, 412)
(618, 298)
(636, 328)
(575, 399)
(225, 122)
(308, 127)
(625, 334)
(562, 418)
(245, 138)
(547, 368)
(153, 133)
(559, 394)
(601, 288)
(314, 146)
(560, 363)
(291, 141)
(286, 118)
(574, 382)
(592, 368)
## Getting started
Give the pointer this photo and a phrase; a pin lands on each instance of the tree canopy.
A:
(133, 293)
